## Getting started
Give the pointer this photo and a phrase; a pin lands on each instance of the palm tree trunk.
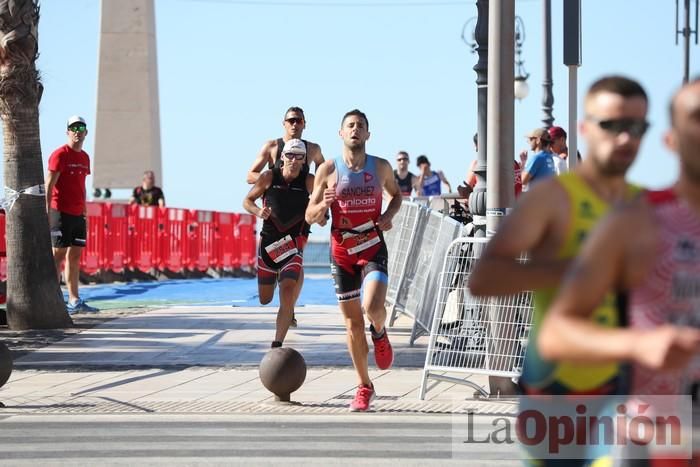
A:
(34, 299)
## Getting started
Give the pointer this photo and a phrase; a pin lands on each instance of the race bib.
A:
(282, 249)
(364, 237)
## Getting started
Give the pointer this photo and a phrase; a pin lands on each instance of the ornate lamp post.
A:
(478, 42)
(686, 32)
(547, 96)
(498, 101)
(475, 33)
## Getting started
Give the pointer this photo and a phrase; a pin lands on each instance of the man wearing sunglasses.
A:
(550, 223)
(270, 154)
(66, 208)
(285, 193)
(407, 181)
(294, 124)
(650, 251)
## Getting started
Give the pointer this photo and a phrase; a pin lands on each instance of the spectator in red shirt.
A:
(65, 204)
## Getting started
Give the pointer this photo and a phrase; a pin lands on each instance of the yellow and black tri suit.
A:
(543, 377)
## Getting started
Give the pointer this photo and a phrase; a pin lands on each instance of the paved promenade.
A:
(181, 384)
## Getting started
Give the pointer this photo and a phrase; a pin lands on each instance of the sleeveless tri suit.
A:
(284, 233)
(670, 292)
(405, 184)
(545, 377)
(541, 377)
(358, 249)
(432, 185)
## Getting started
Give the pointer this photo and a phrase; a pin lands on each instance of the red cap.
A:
(556, 132)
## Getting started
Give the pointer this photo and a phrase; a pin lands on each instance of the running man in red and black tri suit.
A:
(270, 154)
(351, 186)
(650, 252)
(285, 192)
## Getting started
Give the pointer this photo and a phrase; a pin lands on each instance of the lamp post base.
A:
(502, 387)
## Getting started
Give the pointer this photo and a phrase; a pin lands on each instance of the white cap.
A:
(75, 119)
(294, 146)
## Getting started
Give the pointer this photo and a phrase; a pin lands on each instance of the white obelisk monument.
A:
(127, 130)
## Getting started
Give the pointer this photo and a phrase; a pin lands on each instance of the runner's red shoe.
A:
(383, 353)
(363, 398)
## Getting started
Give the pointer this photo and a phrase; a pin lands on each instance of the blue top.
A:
(540, 166)
(432, 185)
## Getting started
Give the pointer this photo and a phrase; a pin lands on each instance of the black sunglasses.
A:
(294, 155)
(294, 120)
(635, 127)
(402, 159)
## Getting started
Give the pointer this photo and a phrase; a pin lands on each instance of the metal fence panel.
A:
(472, 335)
(428, 255)
(401, 241)
(449, 230)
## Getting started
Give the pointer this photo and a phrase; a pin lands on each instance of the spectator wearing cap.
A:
(148, 194)
(285, 193)
(561, 152)
(558, 146)
(270, 154)
(541, 164)
(66, 206)
(430, 181)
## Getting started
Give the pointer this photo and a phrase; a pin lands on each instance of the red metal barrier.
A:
(144, 234)
(173, 238)
(200, 253)
(116, 237)
(148, 238)
(92, 259)
(226, 241)
(248, 241)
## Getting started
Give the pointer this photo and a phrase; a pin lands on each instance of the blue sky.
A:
(229, 69)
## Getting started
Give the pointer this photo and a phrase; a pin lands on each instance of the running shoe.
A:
(383, 353)
(363, 398)
(80, 307)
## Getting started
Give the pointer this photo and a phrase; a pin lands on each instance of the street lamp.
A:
(520, 86)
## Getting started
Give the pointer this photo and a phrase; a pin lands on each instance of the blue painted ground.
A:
(234, 292)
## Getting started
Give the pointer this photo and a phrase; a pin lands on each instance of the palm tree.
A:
(34, 296)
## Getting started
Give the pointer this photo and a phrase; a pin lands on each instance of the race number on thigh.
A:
(363, 237)
(282, 249)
